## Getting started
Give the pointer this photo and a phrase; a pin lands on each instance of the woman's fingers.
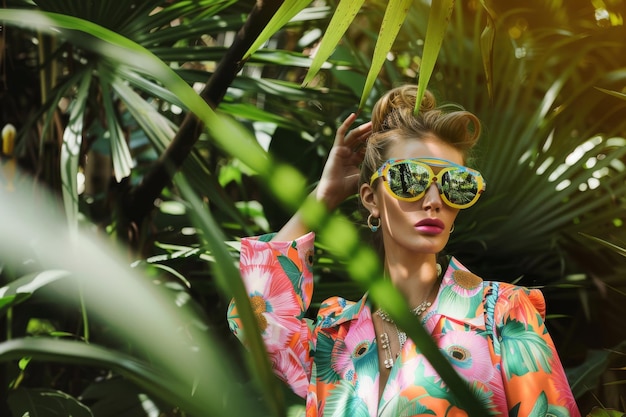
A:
(349, 146)
(354, 138)
(358, 135)
(340, 135)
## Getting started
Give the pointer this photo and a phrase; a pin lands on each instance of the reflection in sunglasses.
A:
(408, 179)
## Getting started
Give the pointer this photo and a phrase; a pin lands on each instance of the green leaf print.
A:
(485, 396)
(400, 406)
(343, 401)
(523, 350)
(459, 305)
(557, 411)
(292, 271)
(433, 385)
(323, 359)
(541, 406)
(414, 408)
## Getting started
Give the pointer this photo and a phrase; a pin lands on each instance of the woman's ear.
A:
(368, 199)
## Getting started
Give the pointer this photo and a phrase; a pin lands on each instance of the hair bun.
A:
(395, 109)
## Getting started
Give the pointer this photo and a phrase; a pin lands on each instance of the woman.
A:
(355, 361)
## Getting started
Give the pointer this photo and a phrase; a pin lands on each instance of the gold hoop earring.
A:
(452, 228)
(373, 227)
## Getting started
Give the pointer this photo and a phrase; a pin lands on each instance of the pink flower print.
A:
(311, 403)
(356, 344)
(288, 367)
(273, 301)
(457, 296)
(364, 332)
(255, 252)
(367, 389)
(428, 370)
(466, 283)
(305, 255)
(468, 353)
(394, 385)
(407, 366)
(562, 386)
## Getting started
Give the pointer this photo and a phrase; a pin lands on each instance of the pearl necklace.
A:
(384, 337)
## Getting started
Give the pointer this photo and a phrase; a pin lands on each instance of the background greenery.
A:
(143, 120)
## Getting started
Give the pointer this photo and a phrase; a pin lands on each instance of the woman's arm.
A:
(278, 273)
(279, 281)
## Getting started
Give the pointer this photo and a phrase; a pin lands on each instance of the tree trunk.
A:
(138, 202)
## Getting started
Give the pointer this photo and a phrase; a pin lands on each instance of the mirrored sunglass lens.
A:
(407, 180)
(460, 187)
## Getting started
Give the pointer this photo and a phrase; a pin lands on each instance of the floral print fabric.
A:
(492, 333)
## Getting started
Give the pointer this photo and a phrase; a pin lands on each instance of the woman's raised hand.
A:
(341, 172)
(340, 177)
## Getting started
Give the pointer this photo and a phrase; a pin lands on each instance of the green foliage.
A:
(23, 288)
(603, 412)
(46, 403)
(115, 82)
(182, 370)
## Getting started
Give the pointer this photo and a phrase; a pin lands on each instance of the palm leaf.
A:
(184, 363)
(155, 381)
(438, 20)
(285, 12)
(487, 39)
(613, 93)
(122, 160)
(395, 14)
(169, 35)
(45, 403)
(341, 20)
(617, 249)
(70, 152)
(123, 51)
(23, 288)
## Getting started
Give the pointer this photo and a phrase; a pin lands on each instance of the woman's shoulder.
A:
(294, 256)
(512, 296)
(504, 294)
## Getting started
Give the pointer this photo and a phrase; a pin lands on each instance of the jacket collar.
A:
(459, 298)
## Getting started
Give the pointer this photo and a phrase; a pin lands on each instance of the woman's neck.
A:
(415, 279)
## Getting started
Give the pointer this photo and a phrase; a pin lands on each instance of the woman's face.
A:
(421, 226)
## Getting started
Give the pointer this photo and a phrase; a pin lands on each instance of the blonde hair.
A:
(394, 119)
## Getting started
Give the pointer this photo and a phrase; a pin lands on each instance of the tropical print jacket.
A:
(492, 333)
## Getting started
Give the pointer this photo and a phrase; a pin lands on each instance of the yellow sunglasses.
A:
(408, 179)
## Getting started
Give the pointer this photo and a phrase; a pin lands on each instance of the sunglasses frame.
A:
(428, 163)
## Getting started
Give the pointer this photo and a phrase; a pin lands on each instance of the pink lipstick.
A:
(430, 226)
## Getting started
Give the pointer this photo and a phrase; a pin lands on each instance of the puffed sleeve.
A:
(279, 280)
(534, 380)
